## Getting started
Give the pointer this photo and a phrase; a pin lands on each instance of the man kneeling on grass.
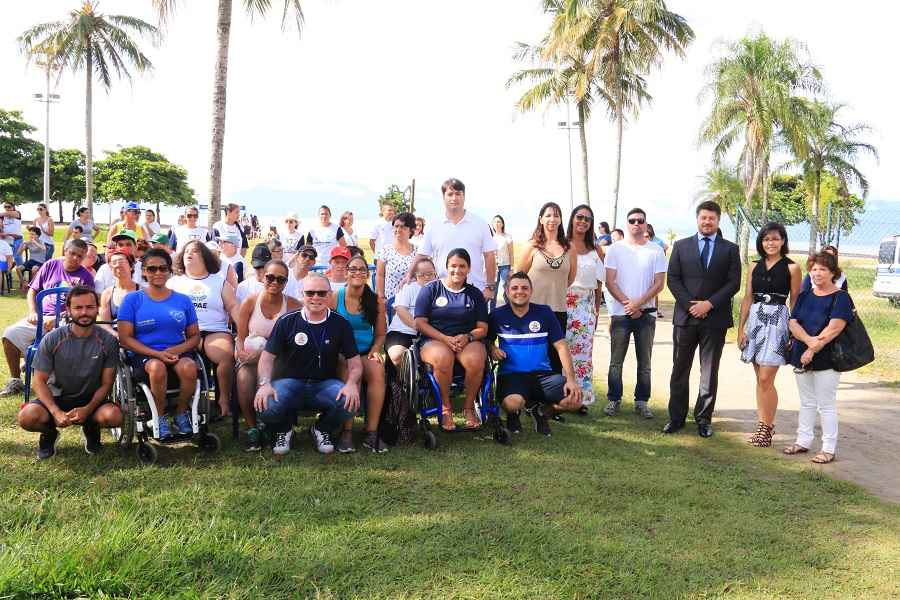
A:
(525, 378)
(74, 370)
(307, 343)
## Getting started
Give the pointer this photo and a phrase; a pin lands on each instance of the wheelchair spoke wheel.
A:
(146, 453)
(502, 436)
(123, 396)
(430, 440)
(407, 373)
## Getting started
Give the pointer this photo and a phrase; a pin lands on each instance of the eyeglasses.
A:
(584, 218)
(308, 255)
(357, 270)
(428, 275)
(319, 293)
(279, 279)
(154, 269)
(636, 221)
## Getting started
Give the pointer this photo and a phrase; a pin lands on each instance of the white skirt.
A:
(768, 337)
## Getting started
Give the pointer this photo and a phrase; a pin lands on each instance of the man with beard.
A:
(74, 371)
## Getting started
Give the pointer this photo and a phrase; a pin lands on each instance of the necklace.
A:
(554, 263)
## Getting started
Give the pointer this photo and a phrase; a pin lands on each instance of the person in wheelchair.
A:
(451, 315)
(121, 264)
(307, 343)
(525, 378)
(402, 330)
(74, 369)
(159, 327)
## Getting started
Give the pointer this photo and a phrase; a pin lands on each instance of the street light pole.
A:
(47, 99)
(568, 125)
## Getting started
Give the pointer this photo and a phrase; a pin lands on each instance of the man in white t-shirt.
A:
(635, 275)
(229, 227)
(461, 229)
(228, 246)
(182, 234)
(383, 232)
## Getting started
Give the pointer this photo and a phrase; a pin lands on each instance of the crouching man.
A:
(74, 370)
(525, 378)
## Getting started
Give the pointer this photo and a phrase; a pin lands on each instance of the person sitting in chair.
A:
(74, 370)
(525, 378)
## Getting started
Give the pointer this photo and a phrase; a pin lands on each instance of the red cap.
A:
(340, 252)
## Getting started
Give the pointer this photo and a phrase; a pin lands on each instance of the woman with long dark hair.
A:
(505, 255)
(46, 224)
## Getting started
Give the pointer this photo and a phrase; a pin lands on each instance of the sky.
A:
(378, 93)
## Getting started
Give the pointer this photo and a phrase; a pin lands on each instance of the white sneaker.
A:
(322, 440)
(282, 443)
(13, 386)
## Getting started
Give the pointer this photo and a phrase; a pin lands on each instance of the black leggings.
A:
(555, 363)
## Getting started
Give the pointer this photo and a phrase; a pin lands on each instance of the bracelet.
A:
(263, 381)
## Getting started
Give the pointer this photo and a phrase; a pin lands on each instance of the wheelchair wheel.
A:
(408, 375)
(502, 436)
(123, 396)
(431, 441)
(210, 443)
(146, 453)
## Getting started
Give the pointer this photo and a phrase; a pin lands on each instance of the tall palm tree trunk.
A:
(615, 207)
(765, 192)
(223, 32)
(814, 221)
(89, 133)
(584, 154)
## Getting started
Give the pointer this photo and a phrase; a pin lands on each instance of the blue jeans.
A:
(502, 274)
(295, 395)
(621, 329)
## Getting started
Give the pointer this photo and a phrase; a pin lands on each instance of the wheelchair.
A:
(420, 389)
(59, 305)
(140, 419)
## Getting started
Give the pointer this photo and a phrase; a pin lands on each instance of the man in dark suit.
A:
(704, 275)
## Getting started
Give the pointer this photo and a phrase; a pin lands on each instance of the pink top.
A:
(261, 325)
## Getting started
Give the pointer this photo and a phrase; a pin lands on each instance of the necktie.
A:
(704, 254)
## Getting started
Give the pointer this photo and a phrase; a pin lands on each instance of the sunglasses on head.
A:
(584, 218)
(311, 293)
(636, 221)
(279, 279)
(153, 269)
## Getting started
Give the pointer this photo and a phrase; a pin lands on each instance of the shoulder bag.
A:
(852, 348)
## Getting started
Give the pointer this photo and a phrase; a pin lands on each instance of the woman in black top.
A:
(763, 335)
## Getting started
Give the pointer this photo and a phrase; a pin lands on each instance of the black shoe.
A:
(583, 411)
(90, 432)
(705, 430)
(672, 427)
(513, 423)
(47, 444)
(558, 418)
(541, 423)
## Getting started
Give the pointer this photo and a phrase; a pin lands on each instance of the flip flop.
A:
(823, 458)
(795, 449)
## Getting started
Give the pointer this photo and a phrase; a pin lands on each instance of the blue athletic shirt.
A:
(158, 324)
(363, 332)
(525, 340)
(451, 313)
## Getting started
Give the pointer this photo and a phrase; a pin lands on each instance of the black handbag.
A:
(852, 348)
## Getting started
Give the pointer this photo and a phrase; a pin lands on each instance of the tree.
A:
(722, 184)
(254, 8)
(821, 145)
(21, 159)
(97, 43)
(139, 174)
(754, 90)
(395, 196)
(67, 178)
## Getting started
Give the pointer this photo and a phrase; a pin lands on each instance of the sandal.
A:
(447, 423)
(795, 449)
(472, 421)
(823, 458)
(763, 436)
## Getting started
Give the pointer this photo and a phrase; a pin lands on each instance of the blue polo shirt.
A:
(526, 339)
(451, 313)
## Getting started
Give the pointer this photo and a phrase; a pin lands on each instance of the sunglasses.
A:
(308, 255)
(154, 269)
(319, 293)
(192, 216)
(357, 270)
(279, 279)
(636, 221)
(583, 218)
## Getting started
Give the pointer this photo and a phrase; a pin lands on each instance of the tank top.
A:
(113, 307)
(550, 284)
(590, 271)
(363, 332)
(261, 325)
(206, 296)
(45, 231)
(776, 280)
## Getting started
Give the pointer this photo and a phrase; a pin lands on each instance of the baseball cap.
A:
(261, 255)
(308, 248)
(213, 245)
(340, 252)
(125, 234)
(89, 240)
(159, 238)
(132, 206)
(231, 239)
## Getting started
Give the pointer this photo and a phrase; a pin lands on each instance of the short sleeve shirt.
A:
(86, 228)
(305, 350)
(636, 266)
(184, 234)
(396, 266)
(813, 313)
(525, 340)
(382, 234)
(405, 298)
(75, 364)
(451, 313)
(471, 233)
(323, 239)
(53, 274)
(159, 324)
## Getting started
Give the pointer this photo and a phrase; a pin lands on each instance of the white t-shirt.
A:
(636, 266)
(105, 278)
(206, 296)
(11, 225)
(590, 271)
(5, 250)
(323, 239)
(416, 240)
(294, 288)
(382, 233)
(471, 233)
(224, 229)
(234, 261)
(406, 298)
(502, 240)
(185, 234)
(350, 238)
(247, 288)
(290, 242)
(153, 228)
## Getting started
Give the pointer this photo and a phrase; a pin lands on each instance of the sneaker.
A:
(254, 440)
(611, 409)
(13, 386)
(513, 423)
(164, 432)
(321, 439)
(558, 418)
(183, 423)
(282, 442)
(642, 409)
(345, 444)
(90, 432)
(47, 444)
(374, 443)
(541, 423)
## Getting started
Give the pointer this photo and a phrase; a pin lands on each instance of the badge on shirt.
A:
(441, 301)
(300, 339)
(178, 315)
(534, 326)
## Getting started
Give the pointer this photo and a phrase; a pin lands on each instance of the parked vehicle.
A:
(887, 272)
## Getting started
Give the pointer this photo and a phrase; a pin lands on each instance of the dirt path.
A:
(868, 440)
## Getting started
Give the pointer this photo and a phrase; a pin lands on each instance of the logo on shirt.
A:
(198, 296)
(534, 327)
(178, 315)
(441, 302)
(301, 339)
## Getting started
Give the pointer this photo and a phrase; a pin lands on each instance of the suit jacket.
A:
(688, 280)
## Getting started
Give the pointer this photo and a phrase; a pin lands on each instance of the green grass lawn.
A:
(605, 509)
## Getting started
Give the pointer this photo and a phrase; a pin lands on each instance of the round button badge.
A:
(534, 327)
(301, 339)
(441, 302)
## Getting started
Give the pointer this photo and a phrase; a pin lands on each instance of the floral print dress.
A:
(582, 320)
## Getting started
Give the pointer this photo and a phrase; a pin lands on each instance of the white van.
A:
(887, 273)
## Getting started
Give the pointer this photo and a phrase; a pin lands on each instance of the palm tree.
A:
(824, 145)
(97, 43)
(254, 8)
(624, 39)
(754, 89)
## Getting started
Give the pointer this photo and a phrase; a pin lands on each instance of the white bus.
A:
(887, 272)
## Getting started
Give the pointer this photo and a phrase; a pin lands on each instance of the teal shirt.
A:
(363, 332)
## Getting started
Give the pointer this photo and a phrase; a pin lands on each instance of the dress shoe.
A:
(705, 430)
(672, 427)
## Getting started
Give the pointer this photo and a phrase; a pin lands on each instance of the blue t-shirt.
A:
(451, 313)
(305, 350)
(813, 313)
(159, 324)
(363, 331)
(526, 339)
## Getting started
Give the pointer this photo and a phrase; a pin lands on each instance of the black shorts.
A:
(137, 362)
(67, 404)
(398, 338)
(536, 388)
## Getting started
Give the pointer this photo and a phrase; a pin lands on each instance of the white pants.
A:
(818, 393)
